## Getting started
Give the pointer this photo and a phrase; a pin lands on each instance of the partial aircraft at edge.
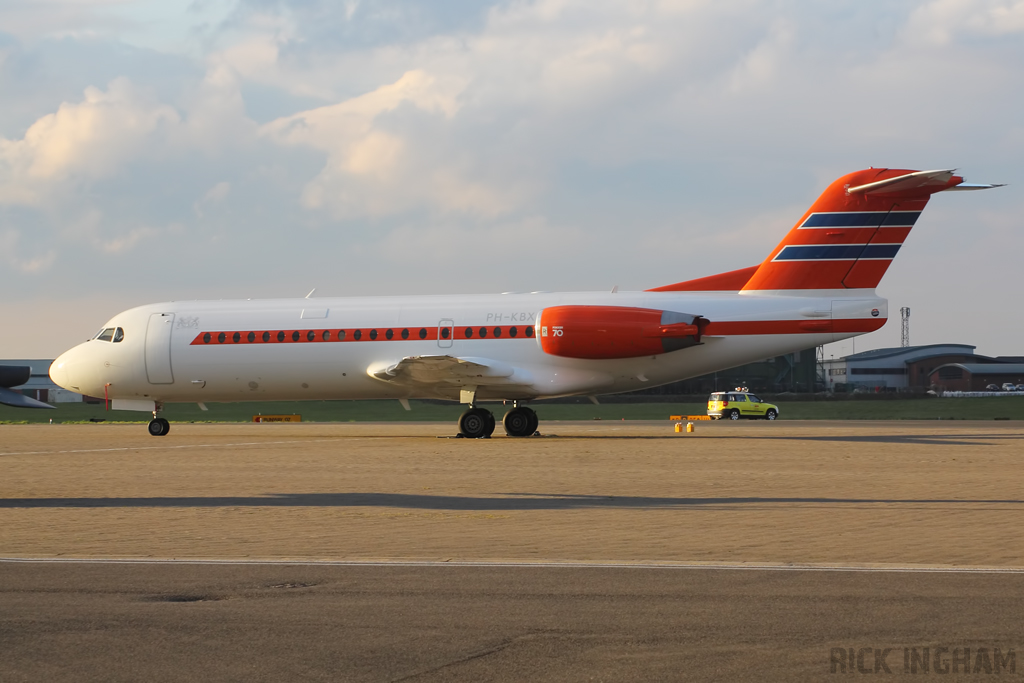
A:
(817, 286)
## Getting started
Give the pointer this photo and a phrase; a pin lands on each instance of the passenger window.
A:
(118, 335)
(295, 336)
(280, 336)
(221, 337)
(311, 335)
(512, 331)
(266, 336)
(341, 335)
(389, 334)
(236, 337)
(445, 333)
(251, 337)
(373, 334)
(206, 338)
(469, 333)
(497, 331)
(423, 333)
(529, 331)
(326, 336)
(405, 334)
(483, 331)
(357, 335)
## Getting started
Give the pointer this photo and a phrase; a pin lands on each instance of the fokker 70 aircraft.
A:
(817, 286)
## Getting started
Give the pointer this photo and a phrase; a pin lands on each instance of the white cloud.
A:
(579, 141)
(377, 169)
(89, 140)
(941, 22)
(10, 254)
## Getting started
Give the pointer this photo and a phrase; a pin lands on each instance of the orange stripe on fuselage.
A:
(361, 334)
(740, 328)
(735, 328)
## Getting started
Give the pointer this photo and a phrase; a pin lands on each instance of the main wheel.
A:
(489, 416)
(473, 423)
(159, 427)
(771, 414)
(734, 414)
(520, 422)
(534, 421)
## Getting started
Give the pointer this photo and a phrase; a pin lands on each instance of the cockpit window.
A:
(110, 334)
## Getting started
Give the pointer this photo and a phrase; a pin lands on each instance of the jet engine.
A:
(615, 331)
(12, 376)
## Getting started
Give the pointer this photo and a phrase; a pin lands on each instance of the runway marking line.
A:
(528, 565)
(195, 445)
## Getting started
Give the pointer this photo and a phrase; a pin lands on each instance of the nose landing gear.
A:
(159, 427)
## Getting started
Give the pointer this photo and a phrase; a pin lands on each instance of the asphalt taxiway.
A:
(607, 552)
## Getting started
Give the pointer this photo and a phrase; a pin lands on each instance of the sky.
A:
(207, 149)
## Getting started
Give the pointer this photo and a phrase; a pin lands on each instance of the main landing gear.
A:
(478, 423)
(520, 421)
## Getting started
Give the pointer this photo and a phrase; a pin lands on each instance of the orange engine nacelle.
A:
(615, 331)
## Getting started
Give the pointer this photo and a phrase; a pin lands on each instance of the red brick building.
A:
(976, 376)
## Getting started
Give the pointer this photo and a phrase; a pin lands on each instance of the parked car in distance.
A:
(733, 405)
(993, 387)
(1009, 386)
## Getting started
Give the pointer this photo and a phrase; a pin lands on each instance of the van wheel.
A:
(771, 414)
(734, 414)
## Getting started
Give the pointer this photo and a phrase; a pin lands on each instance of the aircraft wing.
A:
(453, 371)
(18, 400)
(12, 376)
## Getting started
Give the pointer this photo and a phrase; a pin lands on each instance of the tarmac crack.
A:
(479, 654)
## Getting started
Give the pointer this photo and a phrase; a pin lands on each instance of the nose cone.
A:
(60, 372)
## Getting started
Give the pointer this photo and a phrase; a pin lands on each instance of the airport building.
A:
(908, 367)
(976, 376)
(795, 372)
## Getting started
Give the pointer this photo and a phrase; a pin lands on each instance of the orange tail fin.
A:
(850, 235)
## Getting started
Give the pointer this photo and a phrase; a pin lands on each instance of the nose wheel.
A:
(159, 427)
(476, 423)
(520, 421)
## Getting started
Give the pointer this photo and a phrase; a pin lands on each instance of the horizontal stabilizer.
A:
(905, 183)
(967, 187)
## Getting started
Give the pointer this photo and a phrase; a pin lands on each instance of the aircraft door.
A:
(445, 333)
(158, 348)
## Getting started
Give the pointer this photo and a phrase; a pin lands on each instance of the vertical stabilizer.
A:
(850, 235)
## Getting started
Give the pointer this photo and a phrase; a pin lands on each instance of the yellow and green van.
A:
(732, 405)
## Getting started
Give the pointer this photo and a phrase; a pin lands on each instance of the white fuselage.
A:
(162, 357)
